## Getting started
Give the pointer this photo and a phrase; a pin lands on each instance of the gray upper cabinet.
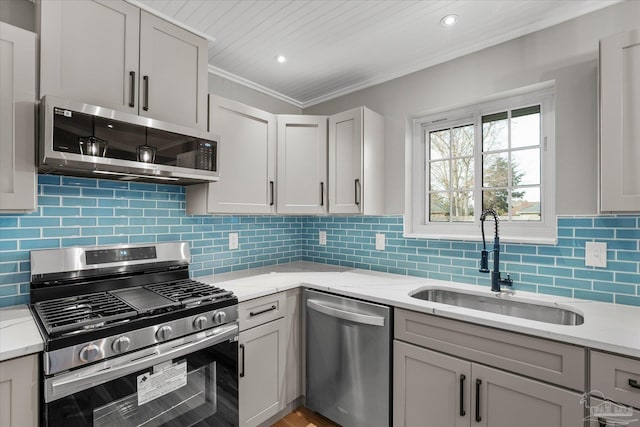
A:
(619, 124)
(17, 119)
(302, 165)
(356, 162)
(248, 171)
(112, 54)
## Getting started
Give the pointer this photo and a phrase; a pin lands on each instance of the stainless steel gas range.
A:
(131, 340)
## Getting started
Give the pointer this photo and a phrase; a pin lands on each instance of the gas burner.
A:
(189, 292)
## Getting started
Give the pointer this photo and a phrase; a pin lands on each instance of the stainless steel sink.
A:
(492, 304)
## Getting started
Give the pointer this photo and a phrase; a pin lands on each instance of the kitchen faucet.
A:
(496, 281)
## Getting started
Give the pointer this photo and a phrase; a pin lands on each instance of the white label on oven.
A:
(161, 382)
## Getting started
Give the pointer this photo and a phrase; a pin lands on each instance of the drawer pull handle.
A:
(634, 384)
(266, 310)
(462, 378)
(242, 359)
(478, 384)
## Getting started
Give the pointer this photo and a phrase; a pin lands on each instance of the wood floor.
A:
(302, 417)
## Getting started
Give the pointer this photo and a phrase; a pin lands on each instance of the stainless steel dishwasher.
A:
(348, 369)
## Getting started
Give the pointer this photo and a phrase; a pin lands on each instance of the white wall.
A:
(566, 53)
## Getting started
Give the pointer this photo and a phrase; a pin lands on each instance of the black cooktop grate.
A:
(82, 312)
(189, 291)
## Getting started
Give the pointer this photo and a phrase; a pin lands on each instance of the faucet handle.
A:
(508, 281)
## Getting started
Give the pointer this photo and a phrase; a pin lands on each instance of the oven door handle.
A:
(100, 373)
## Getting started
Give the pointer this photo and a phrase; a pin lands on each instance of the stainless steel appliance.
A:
(94, 141)
(131, 340)
(348, 370)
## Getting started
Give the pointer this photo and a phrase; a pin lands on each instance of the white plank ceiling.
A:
(335, 47)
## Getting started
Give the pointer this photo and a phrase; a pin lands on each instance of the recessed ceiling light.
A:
(449, 20)
(281, 59)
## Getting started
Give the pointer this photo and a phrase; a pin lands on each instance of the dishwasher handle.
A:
(365, 319)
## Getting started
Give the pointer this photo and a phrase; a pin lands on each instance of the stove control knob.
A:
(219, 317)
(120, 345)
(199, 322)
(90, 352)
(164, 333)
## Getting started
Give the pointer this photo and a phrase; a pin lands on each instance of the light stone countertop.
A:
(608, 327)
(19, 335)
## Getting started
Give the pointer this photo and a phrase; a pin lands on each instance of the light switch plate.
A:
(323, 238)
(233, 241)
(380, 241)
(595, 254)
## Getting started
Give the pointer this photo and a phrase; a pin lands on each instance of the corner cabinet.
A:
(114, 55)
(454, 389)
(302, 165)
(248, 169)
(17, 119)
(19, 395)
(356, 162)
(619, 124)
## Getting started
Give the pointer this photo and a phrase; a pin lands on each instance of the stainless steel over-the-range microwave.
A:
(89, 140)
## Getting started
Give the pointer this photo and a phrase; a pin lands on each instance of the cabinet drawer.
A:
(617, 377)
(261, 310)
(538, 358)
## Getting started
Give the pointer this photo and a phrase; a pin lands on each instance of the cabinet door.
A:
(261, 371)
(619, 124)
(601, 413)
(429, 388)
(248, 153)
(345, 162)
(173, 73)
(302, 164)
(19, 392)
(17, 119)
(89, 50)
(506, 400)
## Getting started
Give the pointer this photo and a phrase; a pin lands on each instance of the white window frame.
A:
(417, 224)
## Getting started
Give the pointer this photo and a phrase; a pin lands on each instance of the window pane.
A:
(462, 174)
(439, 144)
(439, 175)
(462, 206)
(525, 127)
(497, 200)
(495, 170)
(525, 166)
(525, 204)
(462, 141)
(495, 135)
(439, 207)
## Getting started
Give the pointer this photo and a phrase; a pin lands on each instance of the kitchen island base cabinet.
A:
(434, 389)
(19, 392)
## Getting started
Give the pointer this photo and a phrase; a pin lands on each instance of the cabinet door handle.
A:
(634, 383)
(145, 106)
(322, 194)
(462, 411)
(356, 193)
(132, 88)
(241, 374)
(271, 190)
(266, 310)
(478, 384)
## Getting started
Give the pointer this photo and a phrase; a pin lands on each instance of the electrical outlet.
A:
(595, 254)
(380, 242)
(323, 238)
(233, 241)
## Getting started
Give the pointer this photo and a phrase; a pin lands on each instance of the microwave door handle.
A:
(75, 381)
(351, 316)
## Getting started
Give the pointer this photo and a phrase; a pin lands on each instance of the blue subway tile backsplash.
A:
(84, 211)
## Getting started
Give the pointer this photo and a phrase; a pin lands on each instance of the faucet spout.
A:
(496, 280)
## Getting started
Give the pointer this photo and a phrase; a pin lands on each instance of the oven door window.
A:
(199, 389)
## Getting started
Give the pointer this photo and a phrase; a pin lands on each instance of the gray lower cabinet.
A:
(604, 413)
(433, 389)
(19, 392)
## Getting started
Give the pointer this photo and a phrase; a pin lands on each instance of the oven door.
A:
(177, 383)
